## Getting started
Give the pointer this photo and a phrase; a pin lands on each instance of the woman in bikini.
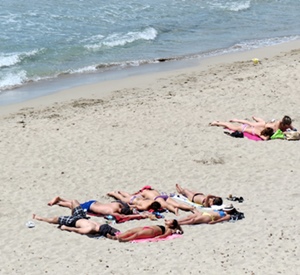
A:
(165, 201)
(208, 217)
(154, 231)
(200, 198)
(256, 129)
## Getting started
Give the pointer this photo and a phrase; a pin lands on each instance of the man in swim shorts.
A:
(78, 222)
(118, 209)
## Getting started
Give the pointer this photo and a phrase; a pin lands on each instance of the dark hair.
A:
(267, 132)
(126, 210)
(217, 201)
(155, 205)
(175, 225)
(286, 121)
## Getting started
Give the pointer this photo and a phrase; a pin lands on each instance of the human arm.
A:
(130, 217)
(223, 219)
(257, 119)
(166, 234)
(80, 230)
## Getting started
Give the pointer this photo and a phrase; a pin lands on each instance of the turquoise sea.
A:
(45, 42)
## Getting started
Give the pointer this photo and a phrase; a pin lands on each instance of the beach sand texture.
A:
(155, 131)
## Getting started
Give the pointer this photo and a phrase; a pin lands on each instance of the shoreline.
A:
(141, 76)
(154, 130)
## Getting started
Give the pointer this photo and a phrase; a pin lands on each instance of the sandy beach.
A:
(153, 129)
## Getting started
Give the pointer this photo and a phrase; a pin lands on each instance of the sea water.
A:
(44, 40)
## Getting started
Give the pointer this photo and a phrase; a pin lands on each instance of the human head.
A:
(155, 206)
(173, 224)
(217, 201)
(267, 132)
(126, 210)
(285, 123)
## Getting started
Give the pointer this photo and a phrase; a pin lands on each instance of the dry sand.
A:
(153, 129)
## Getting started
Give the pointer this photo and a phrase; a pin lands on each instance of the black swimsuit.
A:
(163, 229)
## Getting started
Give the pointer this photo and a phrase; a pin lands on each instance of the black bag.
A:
(236, 134)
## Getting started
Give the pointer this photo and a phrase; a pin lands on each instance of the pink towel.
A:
(170, 237)
(252, 137)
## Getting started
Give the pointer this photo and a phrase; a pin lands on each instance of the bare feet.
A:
(54, 201)
(36, 217)
(179, 189)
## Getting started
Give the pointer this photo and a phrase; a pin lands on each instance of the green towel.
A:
(278, 134)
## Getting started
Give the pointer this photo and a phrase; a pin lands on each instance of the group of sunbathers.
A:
(139, 205)
(260, 128)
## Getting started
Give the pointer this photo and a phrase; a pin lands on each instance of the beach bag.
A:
(292, 135)
(236, 134)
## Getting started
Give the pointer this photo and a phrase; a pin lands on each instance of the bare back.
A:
(106, 208)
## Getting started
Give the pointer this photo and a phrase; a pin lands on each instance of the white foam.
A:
(12, 80)
(11, 59)
(233, 5)
(118, 39)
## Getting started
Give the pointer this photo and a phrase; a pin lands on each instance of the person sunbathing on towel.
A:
(117, 209)
(209, 217)
(136, 201)
(78, 222)
(200, 198)
(264, 133)
(154, 231)
(166, 201)
(284, 124)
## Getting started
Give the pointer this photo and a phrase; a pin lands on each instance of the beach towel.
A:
(238, 134)
(171, 237)
(196, 205)
(278, 135)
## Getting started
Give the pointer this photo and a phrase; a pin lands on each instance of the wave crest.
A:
(118, 39)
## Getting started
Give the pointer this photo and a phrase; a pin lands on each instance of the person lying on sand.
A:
(154, 231)
(117, 208)
(209, 217)
(200, 198)
(283, 125)
(166, 201)
(78, 222)
(263, 133)
(136, 201)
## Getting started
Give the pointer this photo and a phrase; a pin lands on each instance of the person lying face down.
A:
(78, 222)
(166, 201)
(209, 217)
(118, 209)
(200, 198)
(136, 201)
(264, 132)
(145, 232)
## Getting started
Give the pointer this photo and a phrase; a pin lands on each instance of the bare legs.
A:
(61, 202)
(181, 206)
(228, 125)
(186, 192)
(53, 220)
